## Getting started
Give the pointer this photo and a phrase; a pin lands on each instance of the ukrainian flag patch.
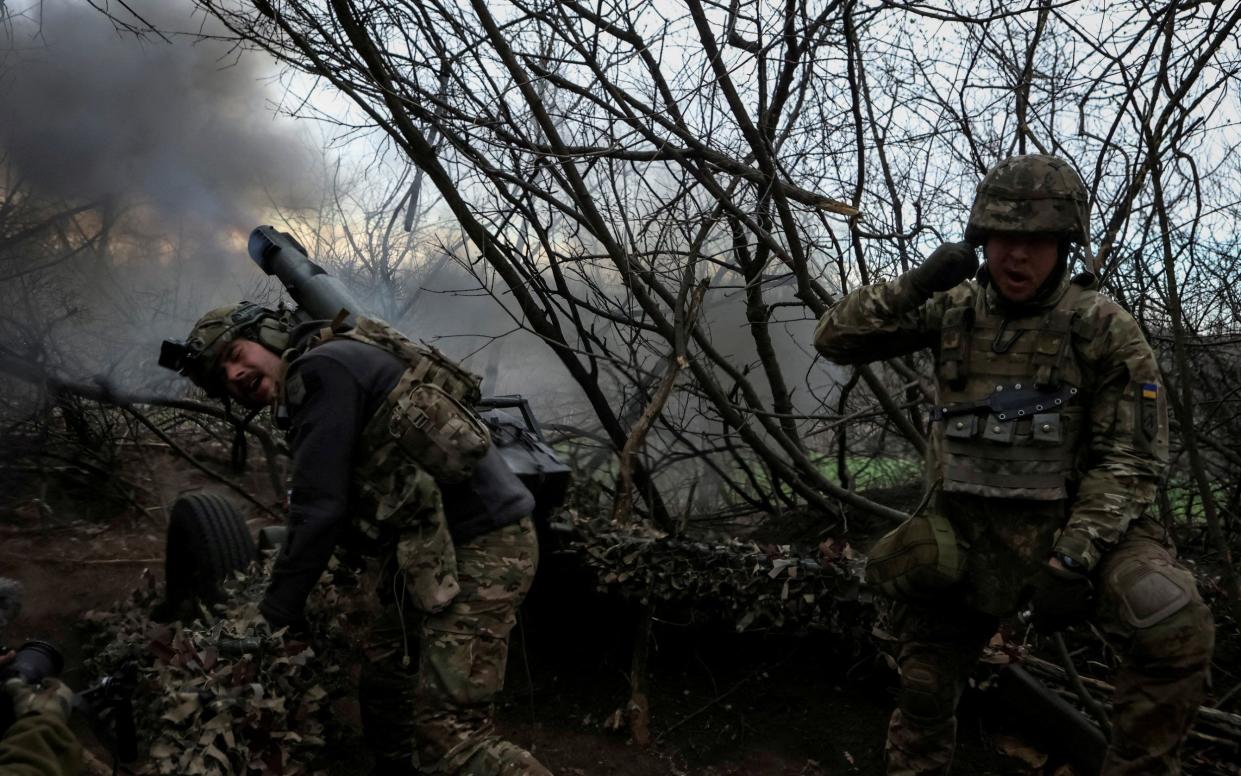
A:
(1150, 391)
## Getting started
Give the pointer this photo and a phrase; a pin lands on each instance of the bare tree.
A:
(604, 159)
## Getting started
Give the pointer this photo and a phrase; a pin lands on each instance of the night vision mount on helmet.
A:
(1031, 194)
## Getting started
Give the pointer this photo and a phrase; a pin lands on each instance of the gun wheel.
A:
(208, 539)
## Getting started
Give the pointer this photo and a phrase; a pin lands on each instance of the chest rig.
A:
(1010, 410)
(423, 433)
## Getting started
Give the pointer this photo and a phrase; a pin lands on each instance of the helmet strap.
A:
(240, 448)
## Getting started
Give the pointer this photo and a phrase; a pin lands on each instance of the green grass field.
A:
(874, 472)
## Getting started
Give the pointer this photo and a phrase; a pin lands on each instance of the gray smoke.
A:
(174, 145)
(93, 116)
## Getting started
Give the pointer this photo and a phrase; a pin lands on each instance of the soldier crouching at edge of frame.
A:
(39, 742)
(1048, 440)
(388, 455)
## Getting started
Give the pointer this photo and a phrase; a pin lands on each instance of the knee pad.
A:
(1150, 592)
(923, 697)
(1181, 643)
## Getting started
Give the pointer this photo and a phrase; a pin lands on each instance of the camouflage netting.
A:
(220, 694)
(734, 581)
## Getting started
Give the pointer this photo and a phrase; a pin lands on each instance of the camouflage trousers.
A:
(1146, 604)
(427, 690)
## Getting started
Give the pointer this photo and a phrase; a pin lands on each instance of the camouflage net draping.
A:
(736, 581)
(219, 693)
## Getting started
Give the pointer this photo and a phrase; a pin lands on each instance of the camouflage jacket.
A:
(349, 479)
(40, 745)
(1119, 451)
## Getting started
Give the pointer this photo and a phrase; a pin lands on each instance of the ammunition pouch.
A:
(434, 429)
(1008, 400)
(426, 556)
(429, 414)
(917, 560)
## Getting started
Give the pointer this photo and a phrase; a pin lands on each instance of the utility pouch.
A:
(436, 430)
(429, 414)
(426, 556)
(916, 560)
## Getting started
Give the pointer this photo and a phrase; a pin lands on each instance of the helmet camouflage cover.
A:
(198, 358)
(1030, 194)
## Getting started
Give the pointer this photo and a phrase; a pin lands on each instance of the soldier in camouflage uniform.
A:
(456, 558)
(39, 742)
(1048, 440)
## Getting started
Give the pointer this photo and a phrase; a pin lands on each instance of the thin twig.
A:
(1083, 694)
(83, 561)
(717, 699)
(198, 465)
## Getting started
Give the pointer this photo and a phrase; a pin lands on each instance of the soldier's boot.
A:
(1151, 610)
(503, 758)
(918, 747)
(486, 756)
(463, 742)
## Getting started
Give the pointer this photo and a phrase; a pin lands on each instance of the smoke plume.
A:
(96, 116)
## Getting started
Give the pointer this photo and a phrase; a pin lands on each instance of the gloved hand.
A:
(51, 697)
(1058, 597)
(947, 267)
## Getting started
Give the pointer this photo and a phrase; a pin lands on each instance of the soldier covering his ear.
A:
(1048, 440)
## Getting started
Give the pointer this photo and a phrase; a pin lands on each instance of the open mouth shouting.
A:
(250, 372)
(1020, 264)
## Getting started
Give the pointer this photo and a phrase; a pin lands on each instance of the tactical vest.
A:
(1009, 406)
(426, 419)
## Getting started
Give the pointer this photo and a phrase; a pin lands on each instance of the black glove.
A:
(1058, 598)
(947, 267)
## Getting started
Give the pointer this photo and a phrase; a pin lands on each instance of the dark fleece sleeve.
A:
(325, 427)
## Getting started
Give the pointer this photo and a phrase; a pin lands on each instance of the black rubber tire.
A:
(208, 539)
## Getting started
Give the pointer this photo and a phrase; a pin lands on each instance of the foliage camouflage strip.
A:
(220, 694)
(732, 580)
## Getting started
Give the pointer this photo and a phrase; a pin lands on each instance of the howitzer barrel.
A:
(315, 291)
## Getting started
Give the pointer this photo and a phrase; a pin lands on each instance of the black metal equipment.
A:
(1051, 717)
(108, 704)
(526, 452)
(314, 290)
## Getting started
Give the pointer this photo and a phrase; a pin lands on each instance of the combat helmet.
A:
(199, 355)
(1031, 194)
